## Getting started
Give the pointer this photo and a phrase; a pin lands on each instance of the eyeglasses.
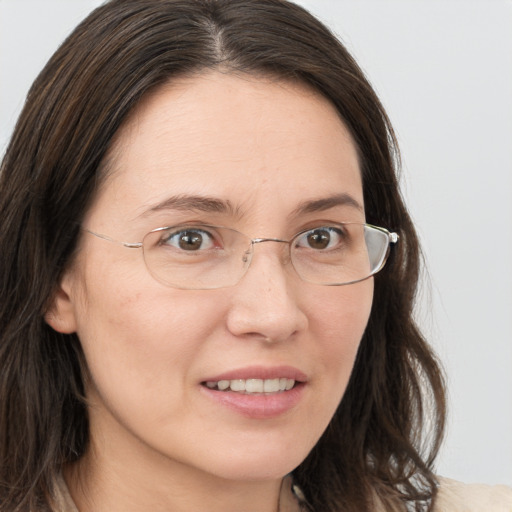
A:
(202, 257)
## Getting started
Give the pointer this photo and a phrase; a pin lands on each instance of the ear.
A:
(61, 314)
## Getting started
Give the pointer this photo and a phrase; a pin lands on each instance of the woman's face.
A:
(269, 159)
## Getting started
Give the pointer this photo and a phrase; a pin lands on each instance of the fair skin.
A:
(160, 440)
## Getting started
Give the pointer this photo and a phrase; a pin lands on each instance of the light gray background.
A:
(443, 69)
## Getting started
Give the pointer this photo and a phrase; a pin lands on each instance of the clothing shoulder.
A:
(62, 499)
(455, 496)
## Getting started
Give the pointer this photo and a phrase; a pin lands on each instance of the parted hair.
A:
(386, 432)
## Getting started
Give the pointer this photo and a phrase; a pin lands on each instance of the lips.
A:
(257, 392)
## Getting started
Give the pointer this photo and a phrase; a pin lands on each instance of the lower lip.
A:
(258, 406)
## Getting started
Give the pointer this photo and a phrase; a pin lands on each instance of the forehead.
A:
(244, 139)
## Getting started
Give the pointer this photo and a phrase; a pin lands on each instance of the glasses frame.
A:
(391, 236)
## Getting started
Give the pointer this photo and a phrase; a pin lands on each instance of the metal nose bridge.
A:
(259, 240)
(255, 241)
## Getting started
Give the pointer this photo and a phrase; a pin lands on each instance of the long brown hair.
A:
(379, 441)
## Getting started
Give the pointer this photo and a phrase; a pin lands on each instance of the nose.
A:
(266, 303)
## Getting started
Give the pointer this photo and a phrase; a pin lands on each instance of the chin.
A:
(264, 461)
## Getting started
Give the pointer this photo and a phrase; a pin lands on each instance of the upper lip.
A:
(260, 372)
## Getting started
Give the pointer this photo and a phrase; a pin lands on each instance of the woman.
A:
(196, 202)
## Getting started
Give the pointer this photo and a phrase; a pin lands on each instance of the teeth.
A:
(271, 386)
(249, 386)
(255, 386)
(223, 384)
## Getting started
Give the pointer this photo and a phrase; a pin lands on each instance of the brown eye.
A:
(190, 240)
(318, 239)
(321, 238)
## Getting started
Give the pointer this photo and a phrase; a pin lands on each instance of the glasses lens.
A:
(198, 257)
(339, 254)
(377, 243)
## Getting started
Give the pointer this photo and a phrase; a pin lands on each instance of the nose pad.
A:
(248, 255)
(264, 305)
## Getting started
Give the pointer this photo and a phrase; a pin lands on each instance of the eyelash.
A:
(195, 230)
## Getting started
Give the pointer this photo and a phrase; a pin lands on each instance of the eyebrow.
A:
(209, 204)
(326, 203)
(198, 203)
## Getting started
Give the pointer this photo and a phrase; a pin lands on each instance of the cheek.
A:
(140, 331)
(141, 354)
(345, 309)
(340, 320)
(137, 335)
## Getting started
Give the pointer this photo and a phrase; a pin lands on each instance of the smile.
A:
(253, 386)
